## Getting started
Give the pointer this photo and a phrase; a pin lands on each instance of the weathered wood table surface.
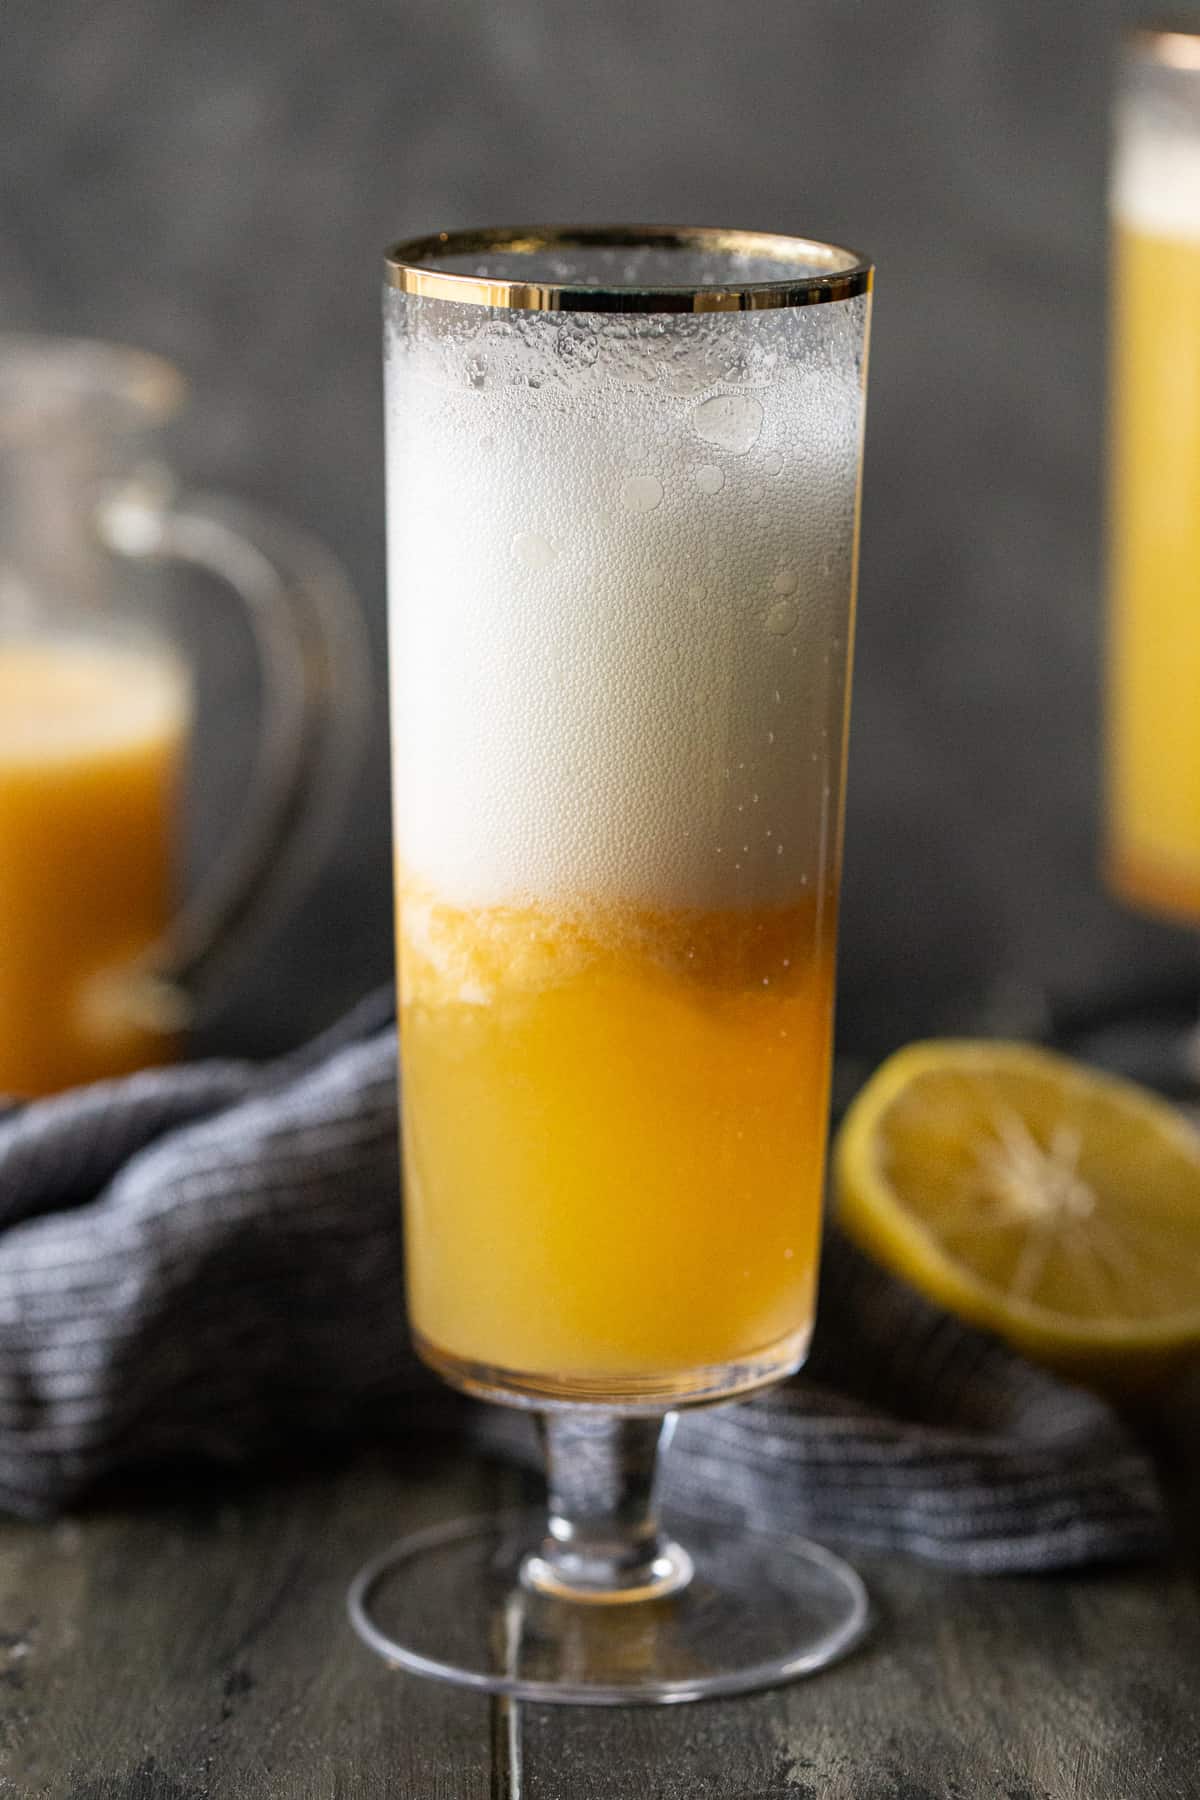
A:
(191, 1644)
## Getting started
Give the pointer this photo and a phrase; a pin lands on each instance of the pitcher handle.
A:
(311, 645)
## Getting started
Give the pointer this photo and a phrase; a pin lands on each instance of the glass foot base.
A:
(452, 1603)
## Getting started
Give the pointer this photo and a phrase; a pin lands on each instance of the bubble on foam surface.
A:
(733, 421)
(641, 493)
(586, 725)
(1156, 178)
(534, 550)
(783, 616)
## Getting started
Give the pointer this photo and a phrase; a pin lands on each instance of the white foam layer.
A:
(66, 699)
(1156, 181)
(619, 621)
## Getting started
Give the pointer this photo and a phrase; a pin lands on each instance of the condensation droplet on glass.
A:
(534, 550)
(772, 463)
(783, 617)
(488, 446)
(785, 581)
(770, 737)
(731, 421)
(577, 347)
(779, 849)
(708, 478)
(641, 493)
(755, 494)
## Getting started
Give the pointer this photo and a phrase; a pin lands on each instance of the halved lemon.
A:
(1054, 1205)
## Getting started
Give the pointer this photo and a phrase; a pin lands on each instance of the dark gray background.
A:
(216, 179)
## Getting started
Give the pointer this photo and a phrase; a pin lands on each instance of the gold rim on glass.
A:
(840, 274)
(1175, 47)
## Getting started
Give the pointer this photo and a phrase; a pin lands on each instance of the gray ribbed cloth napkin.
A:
(207, 1260)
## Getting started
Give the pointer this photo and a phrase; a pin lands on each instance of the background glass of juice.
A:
(623, 498)
(1154, 641)
(100, 966)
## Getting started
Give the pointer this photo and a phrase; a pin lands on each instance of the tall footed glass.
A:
(623, 497)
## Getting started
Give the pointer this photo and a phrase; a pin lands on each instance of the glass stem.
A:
(603, 1540)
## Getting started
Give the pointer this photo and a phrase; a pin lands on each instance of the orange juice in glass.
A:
(576, 1071)
(1154, 640)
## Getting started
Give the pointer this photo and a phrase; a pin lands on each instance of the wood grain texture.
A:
(199, 1647)
(194, 1647)
(1049, 1689)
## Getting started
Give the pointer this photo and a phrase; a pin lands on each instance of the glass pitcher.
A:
(102, 965)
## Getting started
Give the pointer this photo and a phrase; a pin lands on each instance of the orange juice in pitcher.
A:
(102, 961)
